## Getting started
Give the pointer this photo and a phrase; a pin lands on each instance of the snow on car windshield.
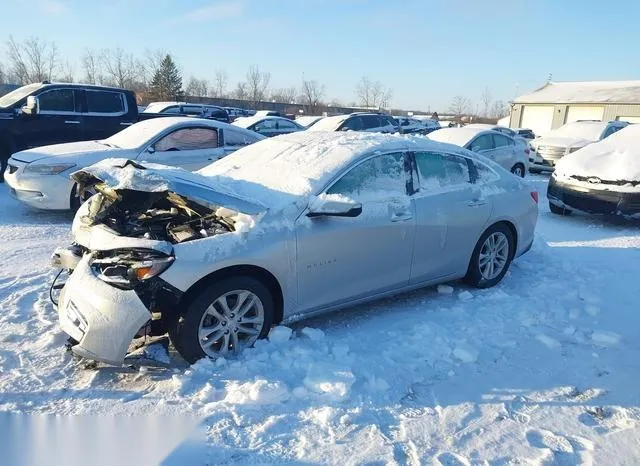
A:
(589, 130)
(141, 133)
(328, 124)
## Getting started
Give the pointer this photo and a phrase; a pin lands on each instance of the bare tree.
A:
(257, 84)
(486, 102)
(285, 95)
(460, 106)
(499, 109)
(67, 73)
(150, 63)
(312, 94)
(220, 86)
(91, 65)
(120, 68)
(197, 87)
(241, 91)
(32, 60)
(372, 93)
(3, 76)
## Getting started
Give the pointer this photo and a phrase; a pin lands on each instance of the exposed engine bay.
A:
(163, 216)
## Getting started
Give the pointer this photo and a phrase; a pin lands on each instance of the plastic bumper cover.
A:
(593, 201)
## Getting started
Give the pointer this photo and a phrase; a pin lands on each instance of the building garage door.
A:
(630, 119)
(584, 113)
(537, 118)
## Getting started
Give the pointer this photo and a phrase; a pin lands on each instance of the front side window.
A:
(188, 139)
(438, 170)
(378, 178)
(481, 143)
(175, 110)
(58, 100)
(371, 121)
(610, 130)
(104, 102)
(264, 125)
(354, 124)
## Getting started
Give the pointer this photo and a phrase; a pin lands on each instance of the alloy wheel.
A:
(494, 255)
(232, 322)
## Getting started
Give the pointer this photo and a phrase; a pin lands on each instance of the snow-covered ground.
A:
(542, 369)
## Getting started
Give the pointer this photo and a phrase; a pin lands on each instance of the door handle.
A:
(401, 216)
(477, 202)
(72, 122)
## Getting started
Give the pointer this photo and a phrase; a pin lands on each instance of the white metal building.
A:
(557, 103)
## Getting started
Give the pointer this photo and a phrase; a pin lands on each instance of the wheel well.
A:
(513, 231)
(260, 274)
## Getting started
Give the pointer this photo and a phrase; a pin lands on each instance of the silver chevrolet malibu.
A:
(280, 230)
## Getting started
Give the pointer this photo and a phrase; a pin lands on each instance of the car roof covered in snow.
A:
(278, 170)
(458, 136)
(330, 123)
(622, 92)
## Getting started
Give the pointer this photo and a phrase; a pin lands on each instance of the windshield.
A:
(155, 107)
(12, 97)
(307, 120)
(137, 135)
(589, 130)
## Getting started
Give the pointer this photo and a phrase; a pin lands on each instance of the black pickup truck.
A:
(51, 113)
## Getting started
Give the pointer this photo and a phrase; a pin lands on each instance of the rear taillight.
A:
(534, 196)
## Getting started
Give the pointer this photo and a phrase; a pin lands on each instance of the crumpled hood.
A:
(560, 142)
(67, 149)
(123, 174)
(602, 160)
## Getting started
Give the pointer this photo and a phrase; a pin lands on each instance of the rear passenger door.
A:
(103, 113)
(451, 214)
(505, 151)
(371, 123)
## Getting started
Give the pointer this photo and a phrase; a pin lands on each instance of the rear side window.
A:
(188, 139)
(235, 138)
(438, 170)
(484, 174)
(481, 143)
(58, 100)
(105, 102)
(500, 141)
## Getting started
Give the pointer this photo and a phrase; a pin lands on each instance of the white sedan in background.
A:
(502, 149)
(39, 177)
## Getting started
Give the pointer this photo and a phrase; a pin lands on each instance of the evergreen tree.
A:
(167, 81)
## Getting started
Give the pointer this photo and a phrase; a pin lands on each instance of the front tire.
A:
(491, 257)
(225, 318)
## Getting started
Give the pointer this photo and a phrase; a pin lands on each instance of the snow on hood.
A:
(616, 158)
(123, 174)
(62, 150)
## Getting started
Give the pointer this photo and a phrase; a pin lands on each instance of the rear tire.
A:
(496, 246)
(518, 170)
(558, 210)
(205, 314)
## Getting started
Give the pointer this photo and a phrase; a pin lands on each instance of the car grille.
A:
(12, 169)
(551, 152)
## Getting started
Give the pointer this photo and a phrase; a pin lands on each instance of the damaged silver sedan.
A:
(280, 230)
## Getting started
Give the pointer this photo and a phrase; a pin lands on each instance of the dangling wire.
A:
(55, 303)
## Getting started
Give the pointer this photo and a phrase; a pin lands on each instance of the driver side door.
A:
(341, 259)
(189, 148)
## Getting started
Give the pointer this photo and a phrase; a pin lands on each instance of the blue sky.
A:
(426, 51)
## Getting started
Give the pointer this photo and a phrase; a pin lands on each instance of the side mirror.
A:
(321, 207)
(345, 128)
(32, 106)
(150, 150)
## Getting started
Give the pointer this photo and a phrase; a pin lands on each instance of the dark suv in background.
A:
(374, 122)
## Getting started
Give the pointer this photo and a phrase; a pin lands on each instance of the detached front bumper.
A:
(593, 201)
(101, 318)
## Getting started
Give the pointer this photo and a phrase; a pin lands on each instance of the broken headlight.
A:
(126, 269)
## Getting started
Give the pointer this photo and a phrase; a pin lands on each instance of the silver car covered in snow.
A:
(282, 229)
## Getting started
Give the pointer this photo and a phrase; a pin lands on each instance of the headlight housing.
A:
(127, 268)
(47, 169)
